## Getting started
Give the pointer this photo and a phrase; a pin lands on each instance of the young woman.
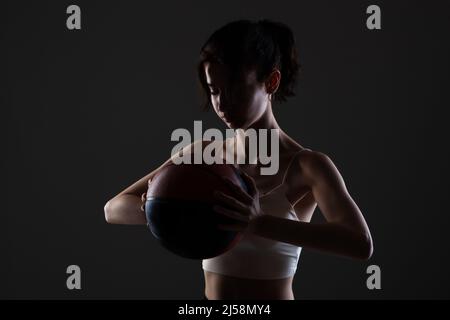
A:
(244, 68)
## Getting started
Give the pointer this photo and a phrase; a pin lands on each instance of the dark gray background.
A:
(86, 113)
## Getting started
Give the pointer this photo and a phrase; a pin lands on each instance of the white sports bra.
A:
(257, 257)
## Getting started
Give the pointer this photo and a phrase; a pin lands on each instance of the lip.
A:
(227, 118)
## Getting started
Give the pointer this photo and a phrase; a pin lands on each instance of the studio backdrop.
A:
(88, 108)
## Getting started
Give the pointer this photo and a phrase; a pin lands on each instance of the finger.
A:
(230, 213)
(241, 193)
(144, 196)
(250, 182)
(231, 201)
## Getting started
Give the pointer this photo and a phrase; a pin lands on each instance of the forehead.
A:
(220, 73)
(216, 72)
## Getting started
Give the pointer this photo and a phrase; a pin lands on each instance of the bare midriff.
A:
(222, 287)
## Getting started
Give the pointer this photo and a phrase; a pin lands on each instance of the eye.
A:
(213, 90)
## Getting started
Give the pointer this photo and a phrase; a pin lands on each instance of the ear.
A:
(273, 81)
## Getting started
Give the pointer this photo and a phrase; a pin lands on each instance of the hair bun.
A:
(290, 67)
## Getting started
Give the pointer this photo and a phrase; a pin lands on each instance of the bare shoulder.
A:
(195, 144)
(191, 148)
(312, 160)
(317, 166)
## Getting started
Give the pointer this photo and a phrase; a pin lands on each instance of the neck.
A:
(266, 121)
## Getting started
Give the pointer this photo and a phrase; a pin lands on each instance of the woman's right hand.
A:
(144, 198)
(127, 207)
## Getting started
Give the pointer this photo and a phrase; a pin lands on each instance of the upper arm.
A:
(141, 186)
(330, 192)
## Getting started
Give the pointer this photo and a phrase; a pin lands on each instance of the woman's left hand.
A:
(241, 206)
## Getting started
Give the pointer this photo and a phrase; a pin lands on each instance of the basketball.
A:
(179, 209)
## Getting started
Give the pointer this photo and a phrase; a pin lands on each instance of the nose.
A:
(224, 102)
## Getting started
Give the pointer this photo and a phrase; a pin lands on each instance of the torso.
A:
(218, 286)
(221, 287)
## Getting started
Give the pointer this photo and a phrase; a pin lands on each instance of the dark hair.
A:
(262, 44)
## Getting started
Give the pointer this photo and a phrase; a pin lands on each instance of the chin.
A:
(244, 126)
(233, 126)
(236, 125)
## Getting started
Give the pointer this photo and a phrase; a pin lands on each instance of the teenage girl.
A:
(245, 67)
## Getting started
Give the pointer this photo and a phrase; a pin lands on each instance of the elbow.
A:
(109, 217)
(366, 248)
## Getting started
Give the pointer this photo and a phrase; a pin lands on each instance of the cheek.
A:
(256, 103)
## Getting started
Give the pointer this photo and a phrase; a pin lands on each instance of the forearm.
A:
(125, 209)
(328, 237)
